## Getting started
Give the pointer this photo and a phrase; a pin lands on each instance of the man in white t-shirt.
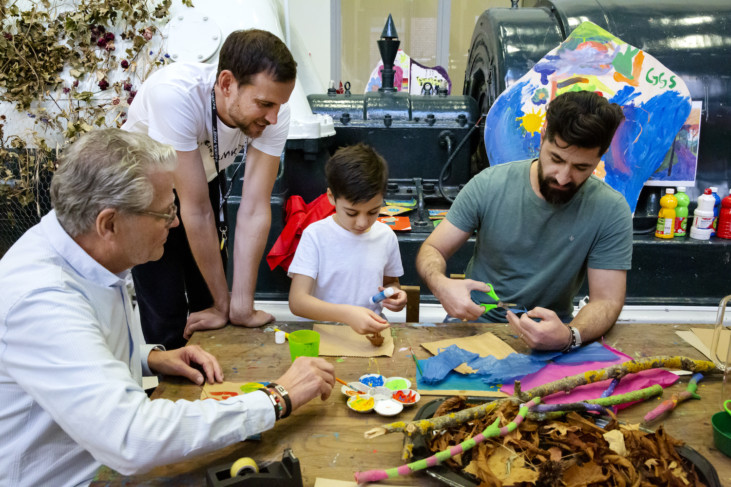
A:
(247, 98)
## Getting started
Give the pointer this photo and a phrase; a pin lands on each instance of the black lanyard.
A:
(221, 178)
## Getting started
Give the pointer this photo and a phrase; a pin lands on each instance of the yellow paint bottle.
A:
(666, 217)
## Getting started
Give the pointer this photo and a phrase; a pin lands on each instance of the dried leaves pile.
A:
(572, 451)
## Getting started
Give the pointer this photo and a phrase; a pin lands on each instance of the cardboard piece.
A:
(484, 345)
(694, 341)
(706, 336)
(343, 341)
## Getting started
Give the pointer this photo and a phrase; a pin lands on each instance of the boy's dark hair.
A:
(247, 53)
(583, 119)
(357, 173)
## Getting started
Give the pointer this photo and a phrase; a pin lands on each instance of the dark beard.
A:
(555, 196)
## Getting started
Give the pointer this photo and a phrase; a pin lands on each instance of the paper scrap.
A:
(342, 340)
(484, 345)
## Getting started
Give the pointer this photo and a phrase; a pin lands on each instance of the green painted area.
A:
(397, 384)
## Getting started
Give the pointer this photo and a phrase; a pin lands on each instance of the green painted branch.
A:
(639, 395)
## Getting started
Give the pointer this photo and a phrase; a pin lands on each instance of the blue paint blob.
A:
(372, 380)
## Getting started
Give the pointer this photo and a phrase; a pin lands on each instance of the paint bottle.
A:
(666, 217)
(386, 293)
(716, 208)
(703, 217)
(724, 218)
(681, 212)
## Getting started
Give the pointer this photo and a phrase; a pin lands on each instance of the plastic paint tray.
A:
(456, 478)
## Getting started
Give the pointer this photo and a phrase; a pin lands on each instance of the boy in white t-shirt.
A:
(345, 259)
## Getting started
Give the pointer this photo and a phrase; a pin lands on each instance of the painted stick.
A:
(676, 399)
(619, 371)
(439, 457)
(426, 425)
(574, 406)
(610, 390)
(423, 426)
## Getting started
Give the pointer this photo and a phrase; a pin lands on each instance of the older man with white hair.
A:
(72, 354)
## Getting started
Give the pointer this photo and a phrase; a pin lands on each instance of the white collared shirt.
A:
(72, 356)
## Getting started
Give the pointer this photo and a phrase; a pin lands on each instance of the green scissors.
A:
(499, 304)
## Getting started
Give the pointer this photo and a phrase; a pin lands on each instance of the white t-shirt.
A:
(173, 106)
(347, 268)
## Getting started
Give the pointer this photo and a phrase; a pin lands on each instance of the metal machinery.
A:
(432, 149)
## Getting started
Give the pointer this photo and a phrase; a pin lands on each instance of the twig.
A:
(437, 458)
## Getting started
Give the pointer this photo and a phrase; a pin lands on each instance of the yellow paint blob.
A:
(533, 122)
(360, 404)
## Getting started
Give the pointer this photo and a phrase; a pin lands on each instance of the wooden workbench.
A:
(327, 437)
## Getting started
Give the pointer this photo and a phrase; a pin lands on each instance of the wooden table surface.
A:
(327, 437)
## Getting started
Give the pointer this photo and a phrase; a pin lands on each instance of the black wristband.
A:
(285, 395)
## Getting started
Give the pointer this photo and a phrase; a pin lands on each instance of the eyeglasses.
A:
(168, 217)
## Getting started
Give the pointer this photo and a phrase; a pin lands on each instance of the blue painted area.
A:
(454, 381)
(642, 141)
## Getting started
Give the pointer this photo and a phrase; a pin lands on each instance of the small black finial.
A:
(389, 30)
(388, 46)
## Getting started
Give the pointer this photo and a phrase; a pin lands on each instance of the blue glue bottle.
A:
(386, 293)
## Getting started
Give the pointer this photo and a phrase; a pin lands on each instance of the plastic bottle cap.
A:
(714, 189)
(279, 337)
(681, 189)
(669, 191)
(707, 191)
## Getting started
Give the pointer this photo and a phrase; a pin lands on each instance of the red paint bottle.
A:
(724, 218)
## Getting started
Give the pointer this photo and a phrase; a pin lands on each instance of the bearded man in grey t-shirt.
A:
(542, 227)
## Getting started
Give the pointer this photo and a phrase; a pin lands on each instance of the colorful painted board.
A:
(656, 104)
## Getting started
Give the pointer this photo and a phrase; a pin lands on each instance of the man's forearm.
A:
(596, 317)
(249, 244)
(204, 245)
(431, 266)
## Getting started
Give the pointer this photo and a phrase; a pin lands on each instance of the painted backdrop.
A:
(656, 103)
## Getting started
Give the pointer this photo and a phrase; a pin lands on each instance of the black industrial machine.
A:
(433, 142)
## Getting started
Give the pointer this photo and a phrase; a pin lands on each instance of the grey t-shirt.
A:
(533, 252)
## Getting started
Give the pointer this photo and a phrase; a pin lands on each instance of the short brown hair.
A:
(247, 53)
(583, 119)
(357, 173)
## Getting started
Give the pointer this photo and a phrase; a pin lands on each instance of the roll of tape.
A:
(243, 466)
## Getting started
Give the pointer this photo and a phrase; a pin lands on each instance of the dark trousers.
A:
(169, 289)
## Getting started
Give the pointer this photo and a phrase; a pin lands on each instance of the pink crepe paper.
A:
(631, 382)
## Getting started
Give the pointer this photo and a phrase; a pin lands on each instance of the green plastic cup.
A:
(304, 343)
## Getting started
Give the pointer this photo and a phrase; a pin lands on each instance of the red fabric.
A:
(298, 216)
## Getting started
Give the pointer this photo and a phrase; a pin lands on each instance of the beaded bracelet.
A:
(275, 403)
(285, 396)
